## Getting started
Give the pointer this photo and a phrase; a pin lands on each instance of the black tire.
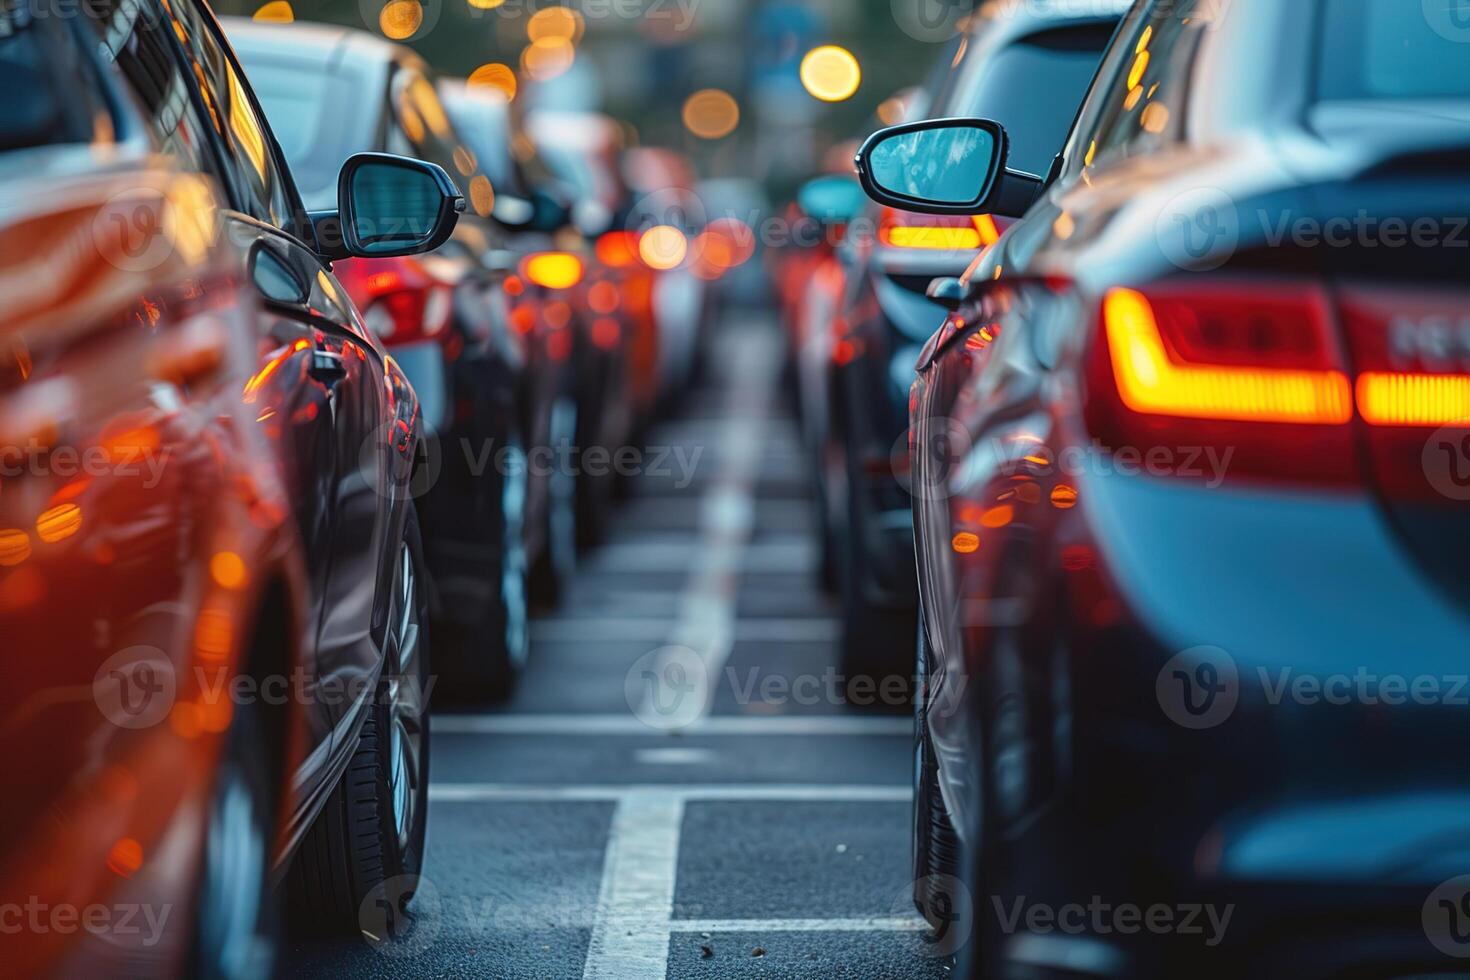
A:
(553, 567)
(936, 846)
(364, 842)
(236, 924)
(482, 649)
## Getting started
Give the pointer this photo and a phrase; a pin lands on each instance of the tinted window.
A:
(55, 94)
(258, 183)
(1144, 107)
(1394, 49)
(1032, 87)
(134, 36)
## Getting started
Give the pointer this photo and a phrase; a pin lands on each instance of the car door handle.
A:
(327, 366)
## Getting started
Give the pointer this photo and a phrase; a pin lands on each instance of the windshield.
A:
(1393, 49)
(63, 101)
(1033, 88)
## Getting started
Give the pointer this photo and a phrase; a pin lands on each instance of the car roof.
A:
(328, 45)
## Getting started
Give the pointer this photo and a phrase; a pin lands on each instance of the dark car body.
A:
(489, 392)
(205, 503)
(1027, 66)
(1149, 576)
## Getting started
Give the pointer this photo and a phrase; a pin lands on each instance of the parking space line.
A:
(734, 792)
(627, 725)
(630, 933)
(655, 629)
(875, 923)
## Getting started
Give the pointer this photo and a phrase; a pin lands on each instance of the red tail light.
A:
(1252, 370)
(904, 229)
(401, 301)
(1412, 351)
(618, 249)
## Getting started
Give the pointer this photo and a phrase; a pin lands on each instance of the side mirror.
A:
(391, 205)
(945, 166)
(832, 200)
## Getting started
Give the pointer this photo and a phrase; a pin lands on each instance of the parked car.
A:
(1027, 66)
(556, 268)
(489, 392)
(210, 569)
(1179, 449)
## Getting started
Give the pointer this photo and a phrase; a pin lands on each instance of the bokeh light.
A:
(400, 19)
(663, 247)
(495, 76)
(547, 58)
(711, 114)
(831, 73)
(275, 12)
(554, 23)
(485, 4)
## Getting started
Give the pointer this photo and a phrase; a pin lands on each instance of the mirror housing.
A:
(832, 200)
(947, 292)
(975, 181)
(388, 205)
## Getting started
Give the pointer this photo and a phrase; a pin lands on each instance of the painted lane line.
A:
(627, 725)
(654, 629)
(602, 792)
(630, 933)
(874, 923)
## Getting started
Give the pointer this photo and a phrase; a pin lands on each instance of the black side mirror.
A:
(388, 205)
(946, 166)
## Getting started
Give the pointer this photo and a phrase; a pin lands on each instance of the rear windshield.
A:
(1033, 87)
(52, 92)
(1395, 49)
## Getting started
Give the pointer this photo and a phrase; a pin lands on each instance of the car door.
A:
(320, 393)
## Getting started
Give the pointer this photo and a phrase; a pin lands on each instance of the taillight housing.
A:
(1250, 372)
(938, 232)
(402, 302)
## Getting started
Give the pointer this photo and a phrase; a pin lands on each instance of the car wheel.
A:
(371, 830)
(235, 924)
(486, 654)
(558, 559)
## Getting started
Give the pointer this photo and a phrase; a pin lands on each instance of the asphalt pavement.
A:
(678, 787)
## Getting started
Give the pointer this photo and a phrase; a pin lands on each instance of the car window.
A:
(262, 190)
(65, 101)
(1143, 106)
(423, 125)
(133, 36)
(1389, 49)
(1032, 87)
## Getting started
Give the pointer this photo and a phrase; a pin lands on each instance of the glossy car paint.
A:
(1055, 597)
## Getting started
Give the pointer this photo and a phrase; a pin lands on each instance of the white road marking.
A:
(874, 923)
(796, 556)
(627, 725)
(673, 757)
(630, 934)
(655, 629)
(737, 792)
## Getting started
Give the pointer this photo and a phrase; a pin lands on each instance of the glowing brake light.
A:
(618, 249)
(1414, 399)
(900, 229)
(553, 270)
(1150, 381)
